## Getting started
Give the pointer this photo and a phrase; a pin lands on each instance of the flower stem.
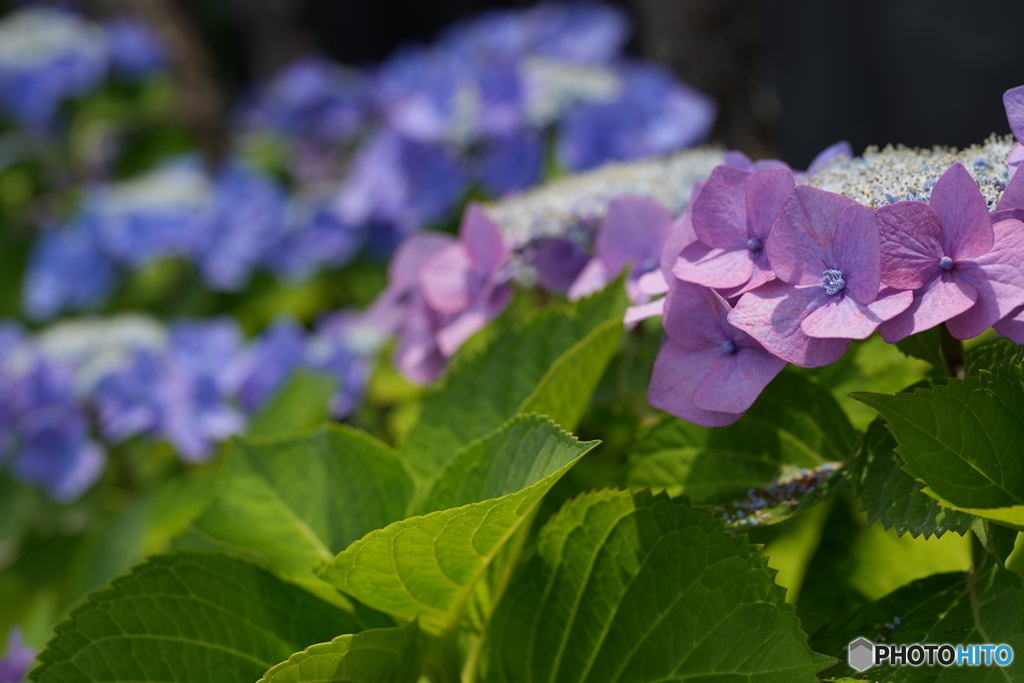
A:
(953, 352)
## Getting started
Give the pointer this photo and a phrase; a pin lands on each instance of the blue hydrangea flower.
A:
(46, 57)
(271, 360)
(512, 162)
(343, 346)
(67, 271)
(135, 52)
(315, 238)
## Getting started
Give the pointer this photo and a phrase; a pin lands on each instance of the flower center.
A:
(832, 281)
(946, 263)
(753, 244)
(728, 347)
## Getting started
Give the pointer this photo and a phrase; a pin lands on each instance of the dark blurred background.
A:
(791, 76)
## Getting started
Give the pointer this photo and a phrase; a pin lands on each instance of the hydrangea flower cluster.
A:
(192, 383)
(50, 55)
(15, 664)
(367, 156)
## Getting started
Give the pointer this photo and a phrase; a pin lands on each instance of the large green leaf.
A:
(944, 608)
(300, 405)
(1000, 353)
(794, 421)
(892, 497)
(189, 617)
(427, 567)
(386, 655)
(294, 502)
(633, 586)
(926, 346)
(530, 369)
(964, 441)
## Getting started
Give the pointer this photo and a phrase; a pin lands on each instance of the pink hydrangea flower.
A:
(707, 372)
(964, 270)
(1013, 100)
(732, 217)
(824, 250)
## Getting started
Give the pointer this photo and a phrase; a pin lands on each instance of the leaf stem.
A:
(953, 352)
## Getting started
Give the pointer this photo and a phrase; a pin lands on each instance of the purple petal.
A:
(800, 246)
(966, 225)
(592, 278)
(695, 317)
(413, 251)
(999, 278)
(1013, 100)
(945, 296)
(679, 237)
(454, 334)
(1012, 326)
(635, 314)
(634, 229)
(417, 355)
(710, 267)
(1013, 195)
(1014, 159)
(740, 379)
(767, 192)
(772, 314)
(856, 249)
(652, 283)
(761, 272)
(677, 375)
(738, 159)
(911, 240)
(719, 212)
(827, 155)
(558, 263)
(444, 280)
(482, 239)
(845, 318)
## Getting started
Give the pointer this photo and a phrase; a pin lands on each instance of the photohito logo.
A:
(863, 654)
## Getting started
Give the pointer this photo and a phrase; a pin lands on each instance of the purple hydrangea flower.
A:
(834, 151)
(1013, 100)
(465, 282)
(135, 51)
(512, 162)
(824, 250)
(15, 664)
(652, 114)
(963, 270)
(127, 399)
(732, 216)
(559, 262)
(67, 270)
(194, 415)
(658, 281)
(707, 372)
(210, 349)
(248, 223)
(633, 231)
(47, 56)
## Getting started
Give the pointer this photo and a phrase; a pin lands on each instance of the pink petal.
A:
(740, 379)
(417, 355)
(911, 238)
(947, 295)
(761, 272)
(677, 375)
(1014, 159)
(1012, 326)
(483, 240)
(767, 192)
(680, 237)
(444, 279)
(856, 248)
(652, 283)
(845, 318)
(592, 278)
(966, 225)
(772, 314)
(1013, 100)
(635, 314)
(633, 230)
(403, 271)
(1013, 195)
(718, 268)
(801, 241)
(719, 211)
(695, 316)
(999, 278)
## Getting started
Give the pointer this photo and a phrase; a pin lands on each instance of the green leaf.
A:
(944, 608)
(794, 421)
(1000, 353)
(294, 502)
(189, 617)
(892, 497)
(427, 567)
(385, 655)
(925, 346)
(995, 539)
(524, 369)
(301, 405)
(649, 587)
(964, 440)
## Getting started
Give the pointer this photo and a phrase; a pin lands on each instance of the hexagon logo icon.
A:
(862, 654)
